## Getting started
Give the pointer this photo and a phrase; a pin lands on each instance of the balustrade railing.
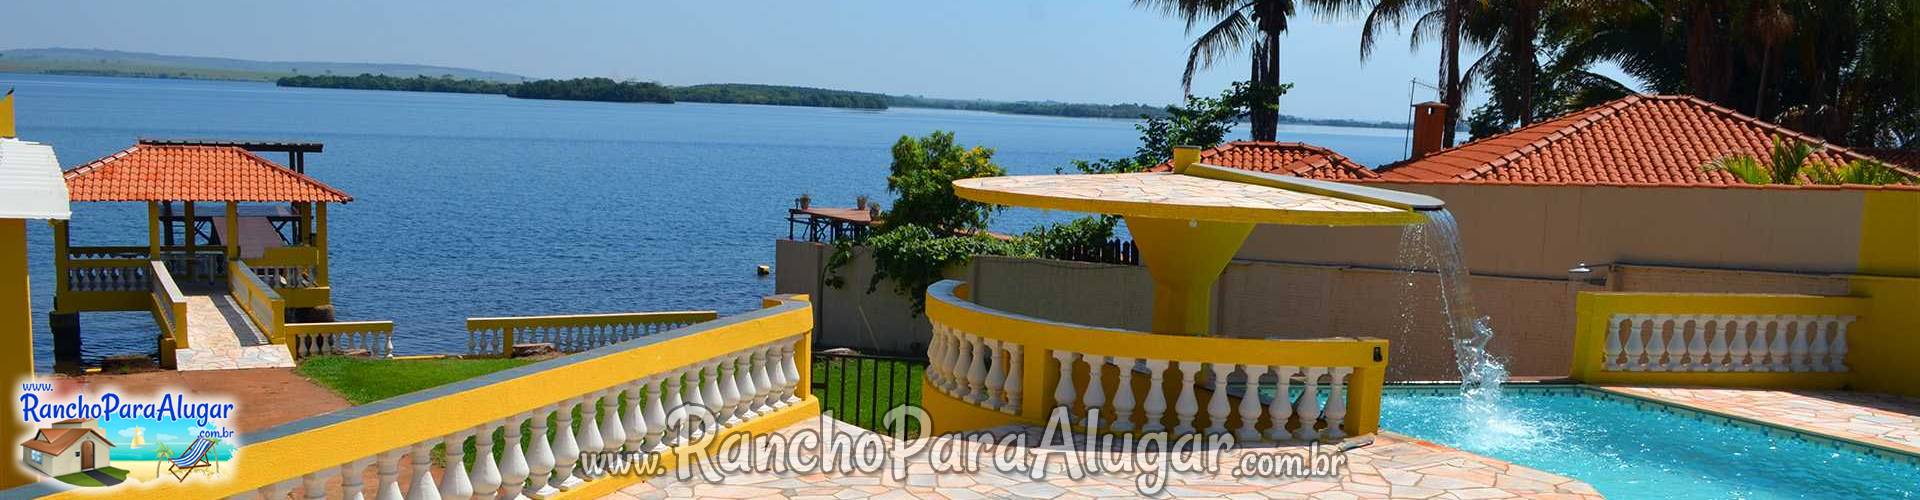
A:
(374, 338)
(287, 267)
(1142, 382)
(109, 275)
(573, 333)
(631, 397)
(198, 267)
(1714, 339)
(267, 310)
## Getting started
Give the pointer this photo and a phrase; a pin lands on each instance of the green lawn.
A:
(82, 479)
(860, 391)
(365, 380)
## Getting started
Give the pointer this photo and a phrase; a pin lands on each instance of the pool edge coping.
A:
(1912, 456)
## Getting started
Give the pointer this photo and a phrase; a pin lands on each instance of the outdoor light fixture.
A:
(1589, 274)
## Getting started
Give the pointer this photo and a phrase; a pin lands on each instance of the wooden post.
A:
(62, 258)
(153, 230)
(320, 244)
(506, 342)
(232, 235)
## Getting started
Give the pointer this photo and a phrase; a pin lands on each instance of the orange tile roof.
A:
(1646, 140)
(1904, 158)
(147, 172)
(56, 441)
(1286, 158)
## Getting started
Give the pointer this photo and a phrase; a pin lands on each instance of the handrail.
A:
(262, 305)
(169, 307)
(1727, 340)
(289, 267)
(573, 332)
(341, 337)
(759, 357)
(1018, 364)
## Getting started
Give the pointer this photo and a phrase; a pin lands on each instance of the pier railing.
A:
(372, 338)
(746, 369)
(991, 367)
(1728, 340)
(267, 310)
(573, 333)
(169, 311)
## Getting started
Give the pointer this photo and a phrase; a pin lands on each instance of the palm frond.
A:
(1224, 38)
(1744, 167)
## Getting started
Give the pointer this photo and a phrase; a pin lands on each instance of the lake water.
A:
(479, 205)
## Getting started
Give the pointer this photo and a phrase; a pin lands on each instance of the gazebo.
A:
(264, 241)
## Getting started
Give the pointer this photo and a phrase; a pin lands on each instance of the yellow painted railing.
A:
(267, 310)
(1726, 340)
(169, 312)
(288, 267)
(375, 338)
(990, 367)
(748, 370)
(573, 333)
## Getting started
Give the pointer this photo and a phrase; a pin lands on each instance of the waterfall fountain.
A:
(1435, 245)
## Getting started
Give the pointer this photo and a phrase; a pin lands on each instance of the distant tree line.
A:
(592, 89)
(739, 93)
(383, 82)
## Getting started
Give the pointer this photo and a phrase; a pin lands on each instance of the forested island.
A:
(609, 90)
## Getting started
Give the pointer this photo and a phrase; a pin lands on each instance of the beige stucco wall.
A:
(880, 322)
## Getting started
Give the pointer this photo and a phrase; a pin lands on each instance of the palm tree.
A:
(1442, 18)
(1233, 24)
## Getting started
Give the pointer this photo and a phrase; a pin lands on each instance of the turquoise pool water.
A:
(1640, 450)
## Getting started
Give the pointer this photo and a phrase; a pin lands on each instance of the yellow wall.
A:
(16, 338)
(1890, 277)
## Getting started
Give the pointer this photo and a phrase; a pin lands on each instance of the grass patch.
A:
(365, 380)
(860, 391)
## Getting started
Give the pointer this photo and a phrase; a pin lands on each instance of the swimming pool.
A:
(1631, 449)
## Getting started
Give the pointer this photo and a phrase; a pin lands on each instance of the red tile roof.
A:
(56, 441)
(1647, 140)
(1287, 158)
(147, 172)
(1904, 158)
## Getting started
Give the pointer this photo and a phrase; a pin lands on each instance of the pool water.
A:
(1627, 449)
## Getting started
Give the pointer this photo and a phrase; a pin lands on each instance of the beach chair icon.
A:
(194, 458)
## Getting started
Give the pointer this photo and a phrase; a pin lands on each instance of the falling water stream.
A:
(1435, 246)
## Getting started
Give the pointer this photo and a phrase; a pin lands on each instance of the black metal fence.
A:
(1111, 252)
(861, 388)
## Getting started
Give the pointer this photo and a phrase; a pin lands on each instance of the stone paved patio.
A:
(1879, 419)
(1392, 467)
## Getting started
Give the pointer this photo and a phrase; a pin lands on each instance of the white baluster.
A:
(613, 425)
(962, 387)
(710, 393)
(566, 450)
(1657, 344)
(727, 376)
(1717, 350)
(1095, 397)
(314, 486)
(1123, 401)
(763, 389)
(513, 460)
(653, 414)
(977, 392)
(1817, 346)
(485, 476)
(1281, 408)
(992, 397)
(675, 407)
(588, 437)
(1797, 351)
(1778, 351)
(1250, 403)
(1014, 379)
(1217, 406)
(1156, 405)
(353, 484)
(792, 388)
(389, 469)
(1336, 412)
(1186, 407)
(1634, 348)
(633, 418)
(1838, 352)
(280, 490)
(1697, 344)
(1612, 360)
(1307, 408)
(1739, 349)
(422, 487)
(936, 354)
(1064, 394)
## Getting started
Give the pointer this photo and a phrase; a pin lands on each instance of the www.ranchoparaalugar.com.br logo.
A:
(104, 438)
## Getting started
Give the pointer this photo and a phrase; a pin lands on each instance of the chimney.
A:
(1429, 123)
(1184, 156)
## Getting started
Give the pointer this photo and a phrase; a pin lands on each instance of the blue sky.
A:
(1067, 50)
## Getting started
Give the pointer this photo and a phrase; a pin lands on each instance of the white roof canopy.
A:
(30, 183)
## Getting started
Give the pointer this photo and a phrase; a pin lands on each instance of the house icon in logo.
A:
(69, 446)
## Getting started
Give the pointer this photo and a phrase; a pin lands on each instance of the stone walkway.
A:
(1392, 467)
(220, 337)
(1878, 419)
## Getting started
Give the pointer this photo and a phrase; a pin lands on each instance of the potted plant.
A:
(860, 202)
(805, 201)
